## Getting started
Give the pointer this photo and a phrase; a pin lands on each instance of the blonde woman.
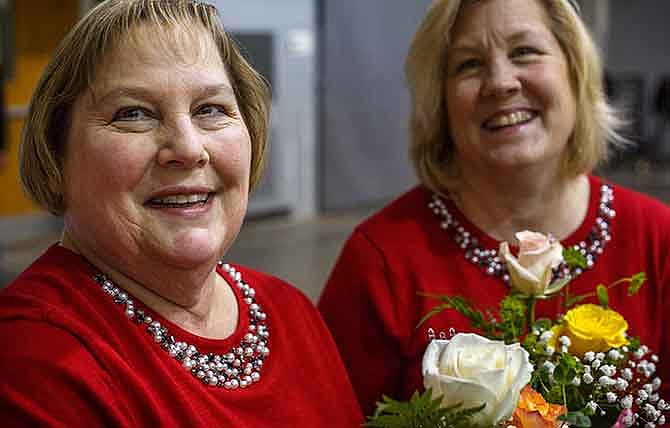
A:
(508, 121)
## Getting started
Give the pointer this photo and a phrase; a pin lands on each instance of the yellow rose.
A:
(592, 328)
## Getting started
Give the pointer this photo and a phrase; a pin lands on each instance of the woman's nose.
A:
(183, 146)
(500, 79)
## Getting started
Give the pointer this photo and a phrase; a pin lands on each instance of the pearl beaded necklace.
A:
(238, 368)
(492, 264)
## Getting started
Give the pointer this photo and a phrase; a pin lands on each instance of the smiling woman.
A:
(158, 128)
(146, 133)
(508, 119)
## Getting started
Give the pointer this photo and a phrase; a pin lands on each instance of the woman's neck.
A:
(501, 206)
(204, 304)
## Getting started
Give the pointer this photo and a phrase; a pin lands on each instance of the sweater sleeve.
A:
(357, 305)
(49, 379)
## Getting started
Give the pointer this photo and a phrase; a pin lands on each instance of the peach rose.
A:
(533, 411)
(531, 271)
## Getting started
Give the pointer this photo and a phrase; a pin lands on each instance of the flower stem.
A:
(565, 398)
(531, 311)
(566, 298)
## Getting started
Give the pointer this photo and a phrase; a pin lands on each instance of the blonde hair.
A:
(72, 70)
(431, 150)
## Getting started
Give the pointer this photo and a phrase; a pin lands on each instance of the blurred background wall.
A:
(638, 54)
(340, 104)
(29, 31)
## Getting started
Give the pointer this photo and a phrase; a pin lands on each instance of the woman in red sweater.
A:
(146, 133)
(508, 119)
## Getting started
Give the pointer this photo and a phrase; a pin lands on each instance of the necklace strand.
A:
(238, 368)
(488, 259)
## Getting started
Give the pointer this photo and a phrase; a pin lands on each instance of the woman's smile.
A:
(508, 119)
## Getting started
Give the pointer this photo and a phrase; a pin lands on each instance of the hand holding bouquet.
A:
(582, 369)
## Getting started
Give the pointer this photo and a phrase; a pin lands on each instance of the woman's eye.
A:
(210, 110)
(468, 64)
(522, 51)
(131, 114)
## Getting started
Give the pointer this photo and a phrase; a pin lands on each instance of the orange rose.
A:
(534, 412)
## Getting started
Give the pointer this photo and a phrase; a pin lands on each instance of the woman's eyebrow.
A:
(135, 92)
(467, 46)
(214, 90)
(143, 93)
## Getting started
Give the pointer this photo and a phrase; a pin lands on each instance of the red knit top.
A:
(372, 306)
(71, 357)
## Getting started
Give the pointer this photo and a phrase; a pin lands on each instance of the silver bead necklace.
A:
(240, 367)
(488, 259)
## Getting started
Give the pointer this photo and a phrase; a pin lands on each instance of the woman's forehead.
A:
(159, 55)
(498, 18)
(178, 42)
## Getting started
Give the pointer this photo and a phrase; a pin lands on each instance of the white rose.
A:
(530, 273)
(473, 370)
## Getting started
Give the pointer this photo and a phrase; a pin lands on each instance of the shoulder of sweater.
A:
(53, 282)
(272, 286)
(407, 213)
(643, 207)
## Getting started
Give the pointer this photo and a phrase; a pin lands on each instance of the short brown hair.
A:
(431, 150)
(72, 70)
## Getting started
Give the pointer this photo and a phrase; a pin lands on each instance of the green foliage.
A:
(555, 287)
(557, 386)
(576, 419)
(607, 420)
(554, 394)
(573, 258)
(566, 370)
(603, 297)
(456, 302)
(513, 311)
(462, 305)
(636, 282)
(633, 343)
(573, 300)
(541, 324)
(421, 411)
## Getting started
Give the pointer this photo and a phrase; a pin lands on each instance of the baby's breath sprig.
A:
(599, 386)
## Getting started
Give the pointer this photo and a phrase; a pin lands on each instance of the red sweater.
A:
(372, 307)
(71, 357)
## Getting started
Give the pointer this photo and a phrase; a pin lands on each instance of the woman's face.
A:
(158, 156)
(508, 93)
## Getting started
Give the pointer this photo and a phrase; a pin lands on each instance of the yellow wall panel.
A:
(39, 25)
(12, 200)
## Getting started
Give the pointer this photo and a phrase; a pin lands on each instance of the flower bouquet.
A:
(581, 369)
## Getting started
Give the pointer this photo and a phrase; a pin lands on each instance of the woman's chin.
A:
(191, 252)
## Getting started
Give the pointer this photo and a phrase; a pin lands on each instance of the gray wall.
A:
(639, 42)
(364, 104)
(290, 179)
